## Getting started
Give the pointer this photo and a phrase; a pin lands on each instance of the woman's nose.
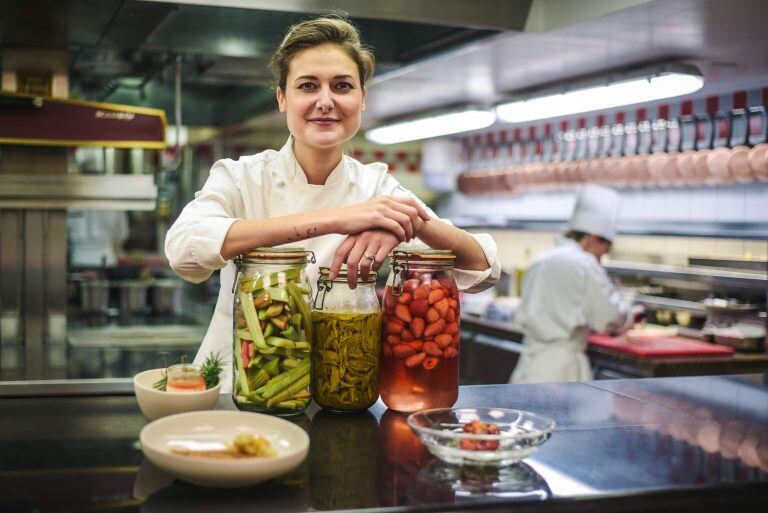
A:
(324, 99)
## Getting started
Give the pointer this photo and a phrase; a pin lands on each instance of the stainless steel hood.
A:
(479, 14)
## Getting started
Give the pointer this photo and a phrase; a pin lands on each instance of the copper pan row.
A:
(732, 162)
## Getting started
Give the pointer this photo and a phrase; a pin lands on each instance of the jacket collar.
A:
(294, 174)
(562, 240)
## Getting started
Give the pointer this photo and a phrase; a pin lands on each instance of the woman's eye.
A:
(345, 86)
(307, 86)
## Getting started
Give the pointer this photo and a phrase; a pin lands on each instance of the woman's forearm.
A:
(244, 235)
(469, 255)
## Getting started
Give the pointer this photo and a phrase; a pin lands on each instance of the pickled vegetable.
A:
(272, 342)
(345, 360)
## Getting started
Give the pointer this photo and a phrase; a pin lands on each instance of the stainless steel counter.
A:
(679, 444)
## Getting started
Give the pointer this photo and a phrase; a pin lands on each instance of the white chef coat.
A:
(93, 235)
(272, 184)
(564, 293)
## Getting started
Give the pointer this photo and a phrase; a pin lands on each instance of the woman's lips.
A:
(324, 122)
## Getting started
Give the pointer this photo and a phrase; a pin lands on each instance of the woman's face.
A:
(323, 99)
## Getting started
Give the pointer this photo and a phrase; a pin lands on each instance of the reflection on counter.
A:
(440, 483)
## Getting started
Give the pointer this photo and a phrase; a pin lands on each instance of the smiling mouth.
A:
(324, 120)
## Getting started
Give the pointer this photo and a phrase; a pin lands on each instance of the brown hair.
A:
(335, 30)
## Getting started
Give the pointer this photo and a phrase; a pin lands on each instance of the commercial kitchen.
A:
(140, 353)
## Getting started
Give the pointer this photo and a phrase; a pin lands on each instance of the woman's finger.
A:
(381, 255)
(341, 255)
(371, 248)
(353, 260)
(392, 226)
(415, 204)
(400, 217)
(411, 212)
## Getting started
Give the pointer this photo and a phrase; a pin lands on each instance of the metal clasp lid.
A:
(324, 286)
(399, 269)
(238, 260)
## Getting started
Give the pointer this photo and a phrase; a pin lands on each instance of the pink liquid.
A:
(186, 385)
(413, 389)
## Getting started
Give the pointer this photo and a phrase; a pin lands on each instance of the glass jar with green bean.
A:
(347, 343)
(272, 331)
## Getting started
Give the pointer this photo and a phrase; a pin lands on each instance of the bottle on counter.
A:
(420, 356)
(347, 343)
(272, 333)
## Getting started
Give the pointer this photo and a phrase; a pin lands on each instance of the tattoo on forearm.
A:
(311, 232)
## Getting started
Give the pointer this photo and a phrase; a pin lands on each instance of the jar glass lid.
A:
(326, 271)
(279, 253)
(423, 254)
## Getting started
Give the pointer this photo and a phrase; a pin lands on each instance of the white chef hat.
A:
(596, 211)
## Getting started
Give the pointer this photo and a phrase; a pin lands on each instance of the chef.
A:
(96, 237)
(566, 292)
(309, 193)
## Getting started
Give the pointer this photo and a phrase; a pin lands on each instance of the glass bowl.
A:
(442, 432)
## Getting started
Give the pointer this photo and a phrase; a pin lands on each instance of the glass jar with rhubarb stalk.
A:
(272, 331)
(420, 355)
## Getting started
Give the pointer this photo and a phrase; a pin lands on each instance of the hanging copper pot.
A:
(758, 154)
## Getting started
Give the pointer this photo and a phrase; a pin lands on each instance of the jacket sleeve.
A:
(193, 243)
(467, 280)
(604, 309)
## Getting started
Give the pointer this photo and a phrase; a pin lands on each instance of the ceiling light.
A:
(616, 94)
(433, 126)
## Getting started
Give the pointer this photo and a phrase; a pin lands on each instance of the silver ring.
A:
(368, 255)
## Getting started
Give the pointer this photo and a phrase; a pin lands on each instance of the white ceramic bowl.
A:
(156, 403)
(216, 429)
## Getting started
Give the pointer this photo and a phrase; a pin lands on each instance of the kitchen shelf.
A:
(102, 192)
(751, 231)
(738, 279)
(671, 304)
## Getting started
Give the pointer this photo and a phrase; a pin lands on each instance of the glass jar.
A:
(420, 356)
(345, 355)
(272, 331)
(184, 377)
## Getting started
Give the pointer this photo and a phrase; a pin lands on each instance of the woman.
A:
(309, 193)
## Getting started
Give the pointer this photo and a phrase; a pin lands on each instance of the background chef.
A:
(566, 292)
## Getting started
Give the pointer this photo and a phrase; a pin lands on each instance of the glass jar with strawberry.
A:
(420, 355)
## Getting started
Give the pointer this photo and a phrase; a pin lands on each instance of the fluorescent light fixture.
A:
(625, 92)
(433, 126)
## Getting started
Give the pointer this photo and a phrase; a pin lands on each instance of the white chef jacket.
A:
(272, 184)
(93, 235)
(565, 292)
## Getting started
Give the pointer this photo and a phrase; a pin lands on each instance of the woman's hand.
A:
(401, 216)
(358, 249)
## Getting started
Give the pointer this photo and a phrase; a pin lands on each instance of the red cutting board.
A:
(655, 347)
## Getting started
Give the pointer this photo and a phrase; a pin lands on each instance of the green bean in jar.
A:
(345, 362)
(345, 355)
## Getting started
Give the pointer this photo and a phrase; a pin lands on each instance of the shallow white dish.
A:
(215, 429)
(157, 403)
